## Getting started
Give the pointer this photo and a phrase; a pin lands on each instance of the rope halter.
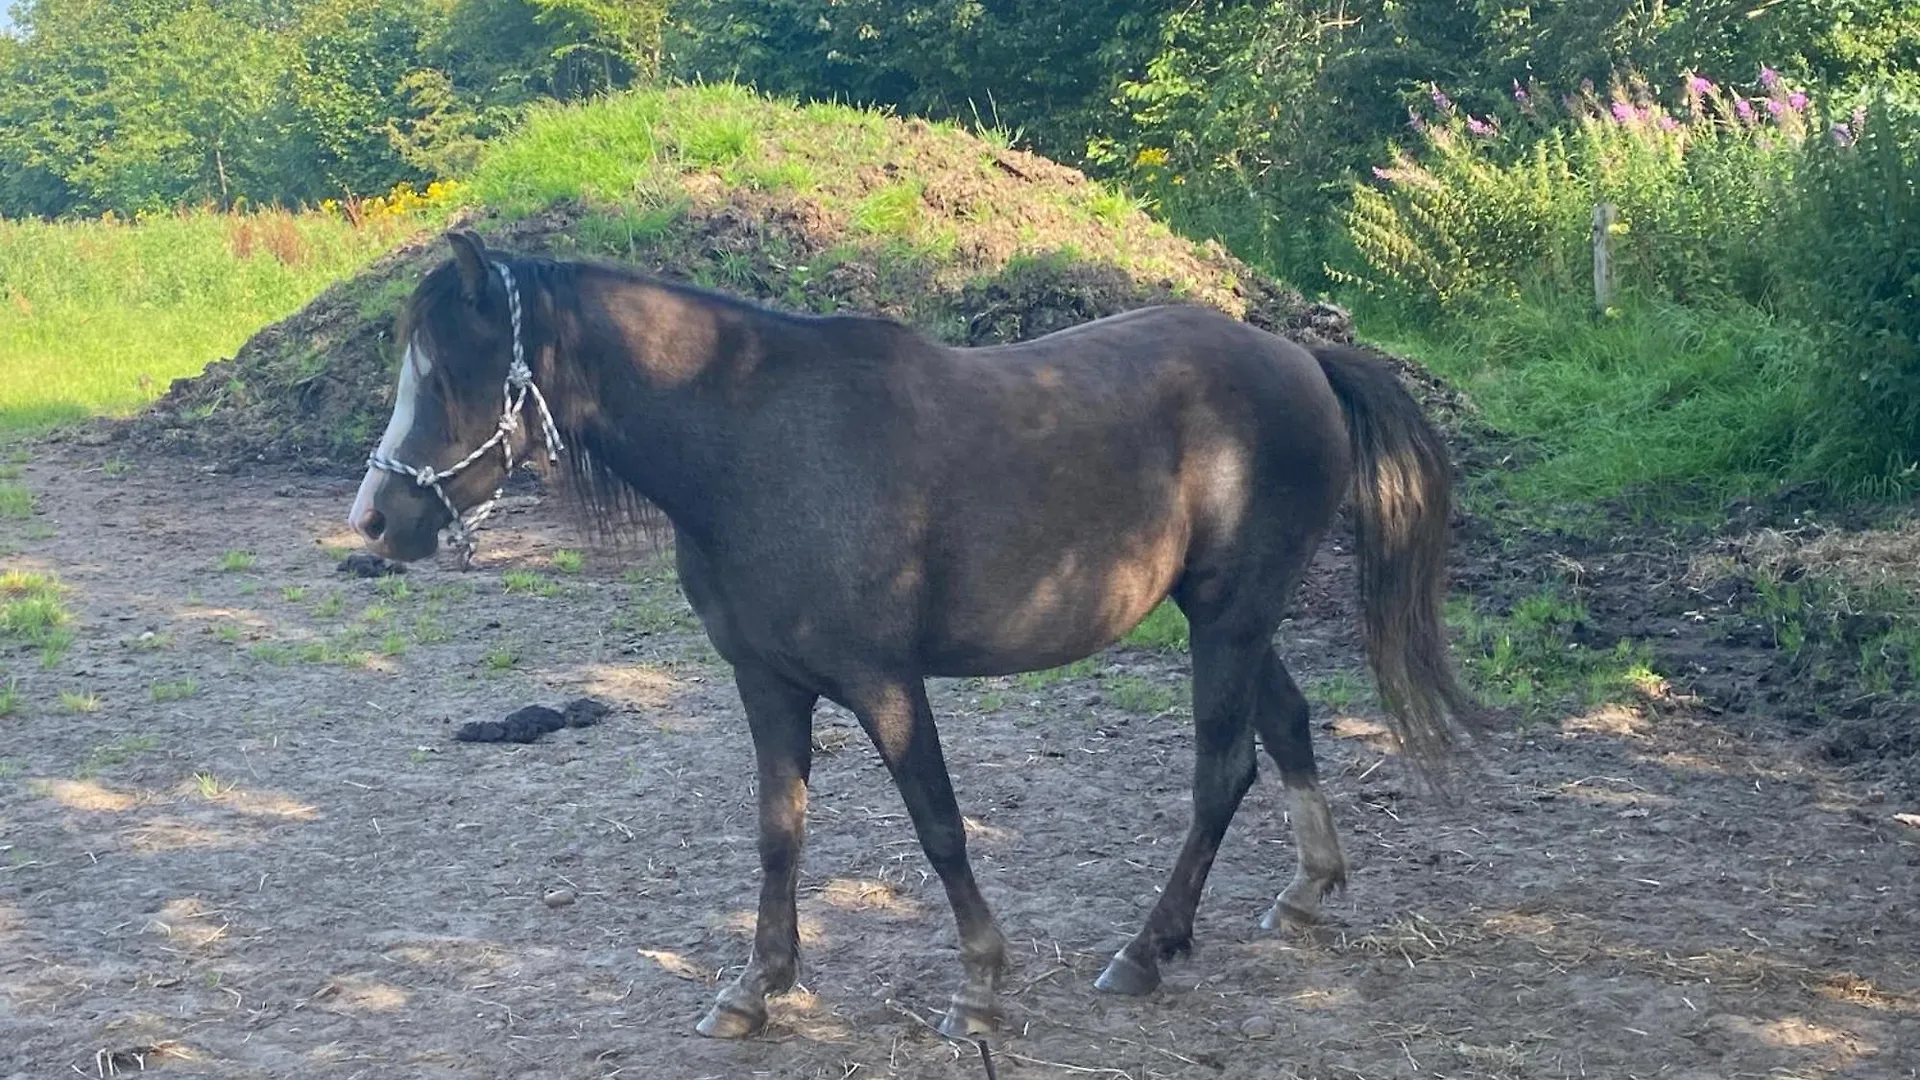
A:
(519, 384)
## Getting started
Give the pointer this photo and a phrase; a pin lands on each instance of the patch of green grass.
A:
(526, 581)
(53, 647)
(1040, 680)
(176, 689)
(118, 752)
(500, 659)
(293, 594)
(1531, 657)
(1114, 206)
(105, 314)
(393, 587)
(1164, 630)
(31, 612)
(376, 614)
(1340, 691)
(270, 652)
(331, 606)
(568, 562)
(226, 633)
(15, 502)
(718, 137)
(429, 630)
(1136, 693)
(893, 210)
(79, 702)
(1675, 408)
(623, 231)
(393, 644)
(1865, 637)
(10, 698)
(234, 562)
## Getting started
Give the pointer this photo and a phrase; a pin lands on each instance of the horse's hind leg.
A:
(1226, 670)
(780, 716)
(898, 719)
(1281, 720)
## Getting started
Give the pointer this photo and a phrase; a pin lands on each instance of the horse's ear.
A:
(470, 258)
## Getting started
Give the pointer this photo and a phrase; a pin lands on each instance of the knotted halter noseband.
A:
(519, 384)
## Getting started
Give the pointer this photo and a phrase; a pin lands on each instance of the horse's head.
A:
(464, 410)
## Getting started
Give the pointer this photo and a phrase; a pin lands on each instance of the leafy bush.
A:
(1745, 206)
(1494, 204)
(1853, 242)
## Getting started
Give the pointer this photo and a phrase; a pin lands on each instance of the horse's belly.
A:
(1034, 622)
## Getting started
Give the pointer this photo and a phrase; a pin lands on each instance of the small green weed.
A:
(393, 587)
(10, 698)
(394, 644)
(79, 702)
(568, 561)
(1340, 691)
(428, 630)
(118, 752)
(1135, 693)
(329, 607)
(501, 659)
(176, 690)
(234, 562)
(1040, 680)
(293, 594)
(211, 787)
(226, 633)
(269, 652)
(53, 647)
(31, 612)
(526, 581)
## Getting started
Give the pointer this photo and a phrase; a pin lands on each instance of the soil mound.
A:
(969, 242)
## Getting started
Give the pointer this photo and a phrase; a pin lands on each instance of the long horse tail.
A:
(1402, 502)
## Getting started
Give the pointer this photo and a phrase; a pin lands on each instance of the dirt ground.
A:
(262, 854)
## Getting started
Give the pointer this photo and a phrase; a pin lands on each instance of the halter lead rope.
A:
(519, 383)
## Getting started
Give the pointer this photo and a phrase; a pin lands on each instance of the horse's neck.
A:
(652, 405)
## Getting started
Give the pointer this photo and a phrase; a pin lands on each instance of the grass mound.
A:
(816, 208)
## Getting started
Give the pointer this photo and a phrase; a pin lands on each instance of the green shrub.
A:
(1853, 242)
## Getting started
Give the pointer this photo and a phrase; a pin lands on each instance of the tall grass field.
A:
(97, 317)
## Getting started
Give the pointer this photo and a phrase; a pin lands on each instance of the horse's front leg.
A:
(896, 716)
(780, 716)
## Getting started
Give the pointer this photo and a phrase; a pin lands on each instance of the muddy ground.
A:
(245, 844)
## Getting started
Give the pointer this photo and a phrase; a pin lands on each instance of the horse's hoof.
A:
(969, 1021)
(728, 1022)
(1125, 976)
(1284, 914)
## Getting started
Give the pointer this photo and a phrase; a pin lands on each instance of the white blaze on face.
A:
(415, 366)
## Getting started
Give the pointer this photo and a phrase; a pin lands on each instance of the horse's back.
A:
(1069, 481)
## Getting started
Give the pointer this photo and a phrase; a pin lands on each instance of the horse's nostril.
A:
(372, 524)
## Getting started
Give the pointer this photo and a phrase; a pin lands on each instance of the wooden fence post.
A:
(1604, 215)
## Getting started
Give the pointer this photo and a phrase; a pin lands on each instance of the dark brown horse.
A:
(855, 508)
